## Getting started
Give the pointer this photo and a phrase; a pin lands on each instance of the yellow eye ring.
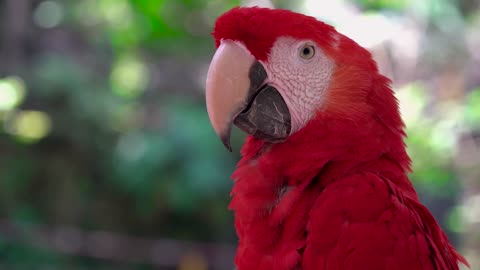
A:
(307, 51)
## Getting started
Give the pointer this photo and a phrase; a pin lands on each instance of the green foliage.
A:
(472, 108)
(384, 4)
(430, 135)
(119, 154)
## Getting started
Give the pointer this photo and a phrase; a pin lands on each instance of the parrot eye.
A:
(307, 51)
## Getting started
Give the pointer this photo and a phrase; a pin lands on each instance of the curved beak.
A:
(236, 92)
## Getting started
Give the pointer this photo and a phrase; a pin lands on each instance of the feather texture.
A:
(373, 225)
(335, 194)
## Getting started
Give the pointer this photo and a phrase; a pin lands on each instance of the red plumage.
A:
(335, 194)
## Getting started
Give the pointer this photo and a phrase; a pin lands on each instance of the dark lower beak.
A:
(267, 116)
(237, 93)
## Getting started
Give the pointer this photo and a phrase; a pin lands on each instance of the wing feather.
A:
(364, 222)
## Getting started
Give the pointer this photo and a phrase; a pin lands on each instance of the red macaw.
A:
(322, 183)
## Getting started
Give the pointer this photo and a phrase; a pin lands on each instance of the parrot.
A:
(322, 183)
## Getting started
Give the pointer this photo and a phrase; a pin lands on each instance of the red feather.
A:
(336, 194)
(258, 28)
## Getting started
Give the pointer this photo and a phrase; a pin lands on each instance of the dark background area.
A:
(107, 156)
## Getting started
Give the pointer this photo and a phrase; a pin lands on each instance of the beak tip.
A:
(226, 142)
(229, 148)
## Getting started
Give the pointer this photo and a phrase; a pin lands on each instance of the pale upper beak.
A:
(227, 87)
(236, 92)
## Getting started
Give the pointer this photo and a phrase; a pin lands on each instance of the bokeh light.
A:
(29, 126)
(12, 92)
(129, 77)
(48, 14)
(117, 13)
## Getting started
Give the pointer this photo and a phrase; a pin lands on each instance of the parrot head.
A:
(275, 70)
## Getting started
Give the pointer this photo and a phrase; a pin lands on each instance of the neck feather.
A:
(360, 133)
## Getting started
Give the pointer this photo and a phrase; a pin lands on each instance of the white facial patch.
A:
(301, 82)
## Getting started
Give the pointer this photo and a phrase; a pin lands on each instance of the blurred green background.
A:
(107, 157)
